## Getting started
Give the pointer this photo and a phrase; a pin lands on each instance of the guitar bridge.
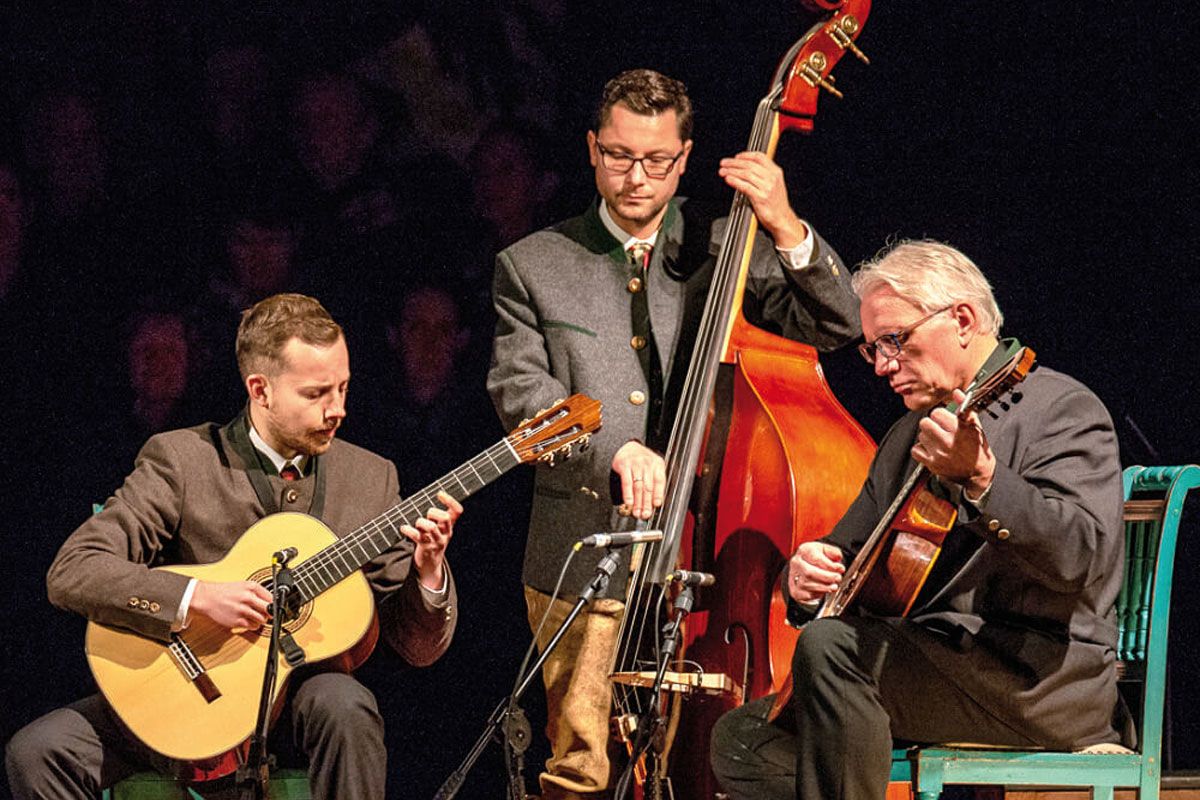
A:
(192, 669)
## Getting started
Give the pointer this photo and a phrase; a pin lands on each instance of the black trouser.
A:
(859, 684)
(77, 751)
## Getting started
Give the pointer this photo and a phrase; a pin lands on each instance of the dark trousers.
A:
(860, 684)
(79, 750)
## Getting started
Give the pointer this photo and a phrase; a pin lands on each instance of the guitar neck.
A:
(351, 552)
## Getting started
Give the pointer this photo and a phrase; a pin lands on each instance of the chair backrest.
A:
(1154, 498)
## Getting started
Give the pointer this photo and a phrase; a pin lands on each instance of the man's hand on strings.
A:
(814, 571)
(233, 605)
(643, 476)
(955, 449)
(758, 177)
(431, 533)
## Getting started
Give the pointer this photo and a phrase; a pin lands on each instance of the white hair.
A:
(930, 275)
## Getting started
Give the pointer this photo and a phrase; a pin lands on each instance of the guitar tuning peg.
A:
(566, 451)
(585, 443)
(547, 408)
(1004, 405)
(547, 459)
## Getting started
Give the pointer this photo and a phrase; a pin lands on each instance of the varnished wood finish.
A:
(159, 705)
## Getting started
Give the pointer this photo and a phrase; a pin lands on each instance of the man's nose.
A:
(637, 174)
(884, 364)
(336, 408)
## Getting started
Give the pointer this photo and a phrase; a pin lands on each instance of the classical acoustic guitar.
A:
(195, 698)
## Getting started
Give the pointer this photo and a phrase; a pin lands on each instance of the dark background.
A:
(1045, 140)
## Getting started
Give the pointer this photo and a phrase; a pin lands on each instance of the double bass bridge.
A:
(712, 683)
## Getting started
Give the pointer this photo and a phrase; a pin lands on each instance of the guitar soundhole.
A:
(293, 623)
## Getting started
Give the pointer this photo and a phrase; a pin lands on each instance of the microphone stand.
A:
(651, 720)
(509, 717)
(254, 774)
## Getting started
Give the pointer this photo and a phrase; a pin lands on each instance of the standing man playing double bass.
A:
(608, 303)
(1012, 640)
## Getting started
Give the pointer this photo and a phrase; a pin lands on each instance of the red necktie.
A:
(289, 473)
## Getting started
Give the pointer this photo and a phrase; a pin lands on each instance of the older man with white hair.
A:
(1012, 639)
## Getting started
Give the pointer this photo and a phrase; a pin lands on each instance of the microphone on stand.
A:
(689, 578)
(282, 557)
(618, 539)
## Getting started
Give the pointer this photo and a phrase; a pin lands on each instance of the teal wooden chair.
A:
(1154, 498)
(286, 784)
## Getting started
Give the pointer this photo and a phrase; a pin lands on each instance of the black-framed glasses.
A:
(892, 344)
(655, 165)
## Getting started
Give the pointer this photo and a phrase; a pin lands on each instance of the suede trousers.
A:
(578, 695)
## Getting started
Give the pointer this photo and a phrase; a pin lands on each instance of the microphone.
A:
(282, 557)
(689, 578)
(618, 539)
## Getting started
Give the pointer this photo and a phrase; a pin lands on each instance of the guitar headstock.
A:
(557, 429)
(985, 391)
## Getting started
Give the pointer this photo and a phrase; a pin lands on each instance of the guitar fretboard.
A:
(355, 549)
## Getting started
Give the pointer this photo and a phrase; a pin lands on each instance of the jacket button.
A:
(1002, 534)
(133, 602)
(637, 397)
(993, 525)
(291, 495)
(144, 605)
(155, 607)
(637, 342)
(634, 286)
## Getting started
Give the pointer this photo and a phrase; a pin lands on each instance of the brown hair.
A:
(645, 91)
(269, 324)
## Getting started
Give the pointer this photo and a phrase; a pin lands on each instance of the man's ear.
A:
(593, 156)
(681, 167)
(259, 389)
(966, 320)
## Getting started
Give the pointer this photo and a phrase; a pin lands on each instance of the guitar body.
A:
(898, 569)
(182, 718)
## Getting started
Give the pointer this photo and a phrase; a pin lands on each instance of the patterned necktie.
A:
(642, 340)
(289, 472)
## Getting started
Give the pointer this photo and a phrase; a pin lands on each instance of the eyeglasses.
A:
(654, 165)
(892, 344)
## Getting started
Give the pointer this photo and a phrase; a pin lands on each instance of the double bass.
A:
(761, 458)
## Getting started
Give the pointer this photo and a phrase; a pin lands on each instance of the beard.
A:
(312, 442)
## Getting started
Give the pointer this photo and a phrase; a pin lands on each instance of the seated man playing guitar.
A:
(1009, 638)
(191, 495)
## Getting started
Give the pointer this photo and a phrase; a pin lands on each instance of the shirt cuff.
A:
(438, 593)
(801, 255)
(181, 616)
(978, 502)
